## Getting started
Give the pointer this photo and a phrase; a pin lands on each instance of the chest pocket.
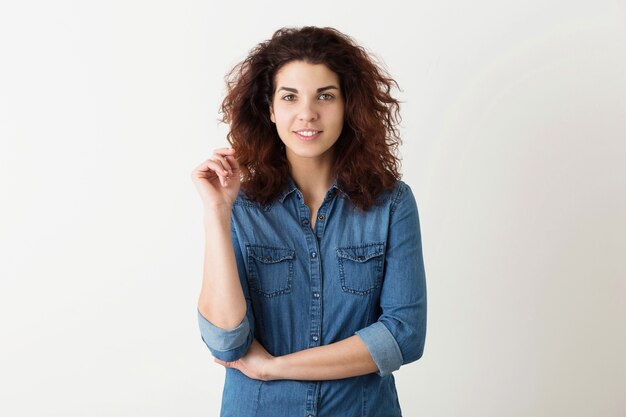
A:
(361, 267)
(270, 270)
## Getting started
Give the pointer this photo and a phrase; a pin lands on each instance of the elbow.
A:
(412, 350)
(226, 345)
(412, 345)
(230, 355)
(410, 337)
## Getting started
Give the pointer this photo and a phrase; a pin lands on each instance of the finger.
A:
(233, 162)
(210, 170)
(225, 151)
(222, 160)
(212, 165)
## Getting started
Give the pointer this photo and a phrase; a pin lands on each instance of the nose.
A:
(307, 111)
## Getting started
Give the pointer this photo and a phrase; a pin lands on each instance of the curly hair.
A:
(366, 162)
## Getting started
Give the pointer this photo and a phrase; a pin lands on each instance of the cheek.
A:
(336, 115)
(280, 124)
(338, 121)
(282, 120)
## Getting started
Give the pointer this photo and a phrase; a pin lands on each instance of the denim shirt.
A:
(354, 272)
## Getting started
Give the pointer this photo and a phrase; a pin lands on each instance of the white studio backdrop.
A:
(514, 127)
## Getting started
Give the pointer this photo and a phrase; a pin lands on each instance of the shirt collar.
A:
(291, 187)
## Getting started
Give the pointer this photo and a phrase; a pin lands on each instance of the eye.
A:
(289, 97)
(326, 96)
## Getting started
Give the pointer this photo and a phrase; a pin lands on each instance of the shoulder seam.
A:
(398, 195)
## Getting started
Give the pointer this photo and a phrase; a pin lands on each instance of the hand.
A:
(256, 364)
(217, 179)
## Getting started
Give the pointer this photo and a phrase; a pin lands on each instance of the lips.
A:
(307, 134)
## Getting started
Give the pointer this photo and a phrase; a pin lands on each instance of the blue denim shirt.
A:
(355, 272)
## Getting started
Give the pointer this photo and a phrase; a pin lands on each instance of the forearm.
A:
(221, 298)
(343, 359)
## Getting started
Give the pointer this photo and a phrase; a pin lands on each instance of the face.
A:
(308, 110)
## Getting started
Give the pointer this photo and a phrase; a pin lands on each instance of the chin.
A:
(308, 153)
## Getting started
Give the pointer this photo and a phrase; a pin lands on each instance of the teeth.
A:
(308, 132)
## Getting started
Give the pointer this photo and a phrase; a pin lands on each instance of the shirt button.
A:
(316, 295)
(313, 254)
(315, 338)
(320, 217)
(305, 221)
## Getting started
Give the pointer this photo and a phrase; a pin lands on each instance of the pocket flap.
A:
(270, 255)
(361, 253)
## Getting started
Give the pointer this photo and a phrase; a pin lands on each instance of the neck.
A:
(313, 176)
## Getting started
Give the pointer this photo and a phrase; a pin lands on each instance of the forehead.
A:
(304, 75)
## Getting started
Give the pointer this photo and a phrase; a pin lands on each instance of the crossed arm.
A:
(343, 359)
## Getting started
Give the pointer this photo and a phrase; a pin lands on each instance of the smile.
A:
(308, 134)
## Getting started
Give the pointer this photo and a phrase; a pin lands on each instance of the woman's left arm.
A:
(346, 358)
(343, 359)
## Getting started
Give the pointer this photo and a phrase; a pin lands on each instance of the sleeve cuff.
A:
(382, 346)
(220, 339)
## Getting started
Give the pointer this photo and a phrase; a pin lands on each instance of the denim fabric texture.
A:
(355, 272)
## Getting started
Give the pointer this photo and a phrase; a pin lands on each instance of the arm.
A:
(398, 337)
(224, 307)
(343, 359)
(224, 316)
(221, 298)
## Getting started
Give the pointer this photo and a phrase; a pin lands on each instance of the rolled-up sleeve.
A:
(398, 337)
(231, 344)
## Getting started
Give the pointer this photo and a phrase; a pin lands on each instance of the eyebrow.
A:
(319, 90)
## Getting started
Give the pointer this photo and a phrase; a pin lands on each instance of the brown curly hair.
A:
(366, 162)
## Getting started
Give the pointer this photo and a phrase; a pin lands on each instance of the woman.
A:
(313, 290)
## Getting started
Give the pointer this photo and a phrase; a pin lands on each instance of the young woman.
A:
(314, 289)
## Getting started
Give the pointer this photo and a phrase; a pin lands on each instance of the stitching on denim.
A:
(256, 400)
(253, 277)
(364, 396)
(398, 196)
(378, 265)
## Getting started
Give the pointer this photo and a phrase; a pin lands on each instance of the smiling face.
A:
(308, 110)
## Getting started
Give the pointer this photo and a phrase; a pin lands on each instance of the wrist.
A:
(275, 369)
(217, 214)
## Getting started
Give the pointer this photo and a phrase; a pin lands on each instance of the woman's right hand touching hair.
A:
(221, 302)
(218, 179)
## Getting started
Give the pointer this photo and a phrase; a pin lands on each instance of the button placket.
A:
(322, 214)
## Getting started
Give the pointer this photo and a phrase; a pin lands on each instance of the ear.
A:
(272, 117)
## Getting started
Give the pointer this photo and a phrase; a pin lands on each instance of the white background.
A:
(514, 127)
